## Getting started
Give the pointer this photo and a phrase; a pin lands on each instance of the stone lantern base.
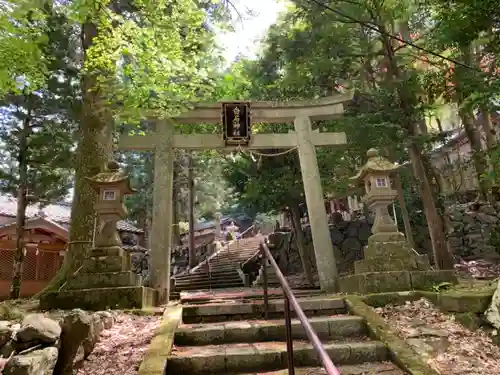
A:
(104, 282)
(391, 265)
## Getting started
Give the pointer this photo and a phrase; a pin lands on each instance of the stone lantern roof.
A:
(112, 176)
(376, 164)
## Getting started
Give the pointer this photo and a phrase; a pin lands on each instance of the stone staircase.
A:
(232, 338)
(221, 269)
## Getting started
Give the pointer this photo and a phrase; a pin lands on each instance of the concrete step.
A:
(211, 286)
(221, 359)
(327, 327)
(206, 273)
(367, 368)
(246, 310)
(243, 294)
(209, 281)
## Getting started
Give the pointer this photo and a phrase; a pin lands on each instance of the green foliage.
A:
(41, 106)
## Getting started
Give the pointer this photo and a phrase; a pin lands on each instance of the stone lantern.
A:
(389, 264)
(375, 175)
(111, 187)
(105, 280)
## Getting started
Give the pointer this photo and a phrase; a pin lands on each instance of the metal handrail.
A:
(291, 300)
(247, 230)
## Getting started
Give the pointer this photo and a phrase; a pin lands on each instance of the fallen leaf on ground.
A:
(121, 348)
(461, 352)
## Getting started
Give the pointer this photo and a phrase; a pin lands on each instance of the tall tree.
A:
(143, 58)
(36, 131)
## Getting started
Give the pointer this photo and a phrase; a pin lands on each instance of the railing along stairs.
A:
(290, 300)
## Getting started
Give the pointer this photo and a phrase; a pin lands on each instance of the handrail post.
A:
(264, 275)
(292, 301)
(288, 335)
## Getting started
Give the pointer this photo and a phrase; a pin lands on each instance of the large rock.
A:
(492, 315)
(5, 332)
(93, 334)
(38, 328)
(37, 362)
(75, 329)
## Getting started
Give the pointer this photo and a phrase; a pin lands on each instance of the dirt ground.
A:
(121, 348)
(446, 345)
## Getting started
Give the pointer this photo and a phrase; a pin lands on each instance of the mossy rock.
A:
(470, 320)
(392, 298)
(462, 302)
(11, 313)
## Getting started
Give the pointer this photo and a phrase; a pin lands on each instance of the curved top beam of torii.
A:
(273, 111)
(261, 112)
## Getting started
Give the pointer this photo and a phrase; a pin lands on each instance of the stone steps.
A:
(221, 269)
(219, 276)
(208, 280)
(222, 273)
(242, 357)
(211, 286)
(230, 338)
(207, 284)
(244, 310)
(367, 368)
(333, 327)
(244, 294)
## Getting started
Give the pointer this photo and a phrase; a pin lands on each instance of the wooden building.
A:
(46, 239)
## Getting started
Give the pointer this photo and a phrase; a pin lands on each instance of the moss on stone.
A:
(8, 312)
(392, 298)
(454, 301)
(99, 299)
(148, 311)
(470, 320)
(155, 360)
(402, 353)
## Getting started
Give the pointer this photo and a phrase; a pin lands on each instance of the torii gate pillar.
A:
(323, 248)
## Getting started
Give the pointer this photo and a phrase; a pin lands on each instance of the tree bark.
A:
(473, 135)
(442, 257)
(301, 242)
(93, 152)
(404, 210)
(192, 244)
(176, 232)
(22, 203)
(488, 129)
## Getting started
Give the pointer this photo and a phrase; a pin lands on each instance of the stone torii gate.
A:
(300, 113)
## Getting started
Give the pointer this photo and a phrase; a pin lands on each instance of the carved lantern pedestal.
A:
(389, 263)
(105, 279)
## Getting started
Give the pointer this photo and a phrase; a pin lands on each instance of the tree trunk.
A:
(404, 210)
(473, 135)
(478, 155)
(176, 231)
(192, 244)
(488, 128)
(301, 242)
(442, 257)
(22, 202)
(94, 151)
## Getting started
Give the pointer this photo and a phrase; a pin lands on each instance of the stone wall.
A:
(348, 238)
(474, 230)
